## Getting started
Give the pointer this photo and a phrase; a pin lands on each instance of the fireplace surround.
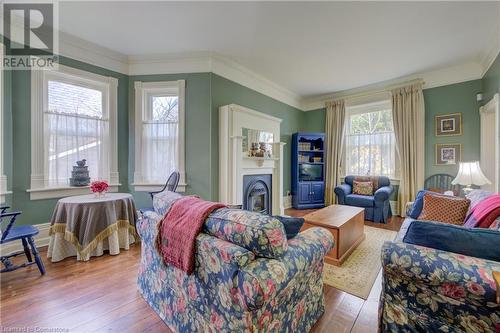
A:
(234, 164)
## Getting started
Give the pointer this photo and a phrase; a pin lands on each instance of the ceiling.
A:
(307, 48)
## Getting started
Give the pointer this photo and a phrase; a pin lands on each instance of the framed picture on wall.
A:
(448, 124)
(448, 153)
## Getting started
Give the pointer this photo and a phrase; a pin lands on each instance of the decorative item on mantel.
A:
(80, 174)
(99, 188)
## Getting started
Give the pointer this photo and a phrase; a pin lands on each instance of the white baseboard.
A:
(287, 201)
(42, 239)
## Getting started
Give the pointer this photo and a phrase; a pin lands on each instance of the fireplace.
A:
(257, 193)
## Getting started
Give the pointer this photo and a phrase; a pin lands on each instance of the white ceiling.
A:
(307, 48)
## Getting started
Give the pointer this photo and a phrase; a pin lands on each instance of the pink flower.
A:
(247, 289)
(226, 257)
(192, 291)
(240, 228)
(475, 288)
(452, 290)
(300, 309)
(264, 319)
(216, 320)
(99, 186)
(276, 237)
(271, 287)
(181, 304)
(167, 310)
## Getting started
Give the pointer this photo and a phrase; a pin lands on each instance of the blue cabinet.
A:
(308, 170)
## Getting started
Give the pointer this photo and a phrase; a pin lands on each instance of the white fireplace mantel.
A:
(234, 164)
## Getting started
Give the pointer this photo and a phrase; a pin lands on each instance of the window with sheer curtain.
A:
(160, 133)
(76, 126)
(370, 142)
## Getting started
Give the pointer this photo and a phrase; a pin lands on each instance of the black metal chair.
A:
(441, 183)
(25, 234)
(170, 185)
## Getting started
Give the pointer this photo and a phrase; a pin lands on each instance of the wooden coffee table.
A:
(346, 223)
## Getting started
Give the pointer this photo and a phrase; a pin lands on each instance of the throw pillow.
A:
(292, 225)
(418, 204)
(444, 209)
(362, 188)
(474, 242)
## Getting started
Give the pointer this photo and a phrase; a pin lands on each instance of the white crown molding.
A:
(436, 78)
(191, 62)
(198, 62)
(487, 58)
(91, 53)
(203, 62)
(235, 72)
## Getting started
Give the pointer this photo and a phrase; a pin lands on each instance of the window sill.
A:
(148, 187)
(61, 192)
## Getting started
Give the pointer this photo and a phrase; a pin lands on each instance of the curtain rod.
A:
(369, 92)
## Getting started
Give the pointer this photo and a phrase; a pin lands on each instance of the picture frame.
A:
(448, 124)
(448, 153)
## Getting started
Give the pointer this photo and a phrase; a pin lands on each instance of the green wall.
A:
(491, 80)
(226, 92)
(40, 211)
(198, 129)
(460, 97)
(314, 120)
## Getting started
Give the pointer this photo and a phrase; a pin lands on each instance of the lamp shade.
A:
(469, 173)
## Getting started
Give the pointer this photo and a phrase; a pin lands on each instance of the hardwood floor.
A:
(101, 296)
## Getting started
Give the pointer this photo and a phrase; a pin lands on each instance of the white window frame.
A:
(39, 188)
(142, 91)
(366, 108)
(3, 177)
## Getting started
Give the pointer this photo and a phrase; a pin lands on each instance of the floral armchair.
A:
(247, 278)
(428, 290)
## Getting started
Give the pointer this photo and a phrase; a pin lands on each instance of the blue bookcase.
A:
(308, 170)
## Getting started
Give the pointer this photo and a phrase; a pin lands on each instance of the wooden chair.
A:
(25, 233)
(170, 185)
(441, 183)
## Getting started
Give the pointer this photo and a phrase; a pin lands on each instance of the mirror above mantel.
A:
(257, 143)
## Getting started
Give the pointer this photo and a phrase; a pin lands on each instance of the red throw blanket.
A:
(178, 230)
(484, 213)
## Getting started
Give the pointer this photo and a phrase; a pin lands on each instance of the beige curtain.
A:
(409, 117)
(334, 127)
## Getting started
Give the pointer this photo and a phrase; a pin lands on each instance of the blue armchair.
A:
(377, 207)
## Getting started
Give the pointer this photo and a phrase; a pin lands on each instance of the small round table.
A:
(86, 225)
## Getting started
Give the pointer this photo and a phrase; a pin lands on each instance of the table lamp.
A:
(469, 173)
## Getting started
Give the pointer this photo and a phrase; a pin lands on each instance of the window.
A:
(159, 133)
(76, 127)
(370, 142)
(73, 118)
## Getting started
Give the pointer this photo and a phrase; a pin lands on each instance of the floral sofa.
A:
(248, 277)
(429, 290)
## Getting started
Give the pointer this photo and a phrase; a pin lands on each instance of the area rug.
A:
(358, 273)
